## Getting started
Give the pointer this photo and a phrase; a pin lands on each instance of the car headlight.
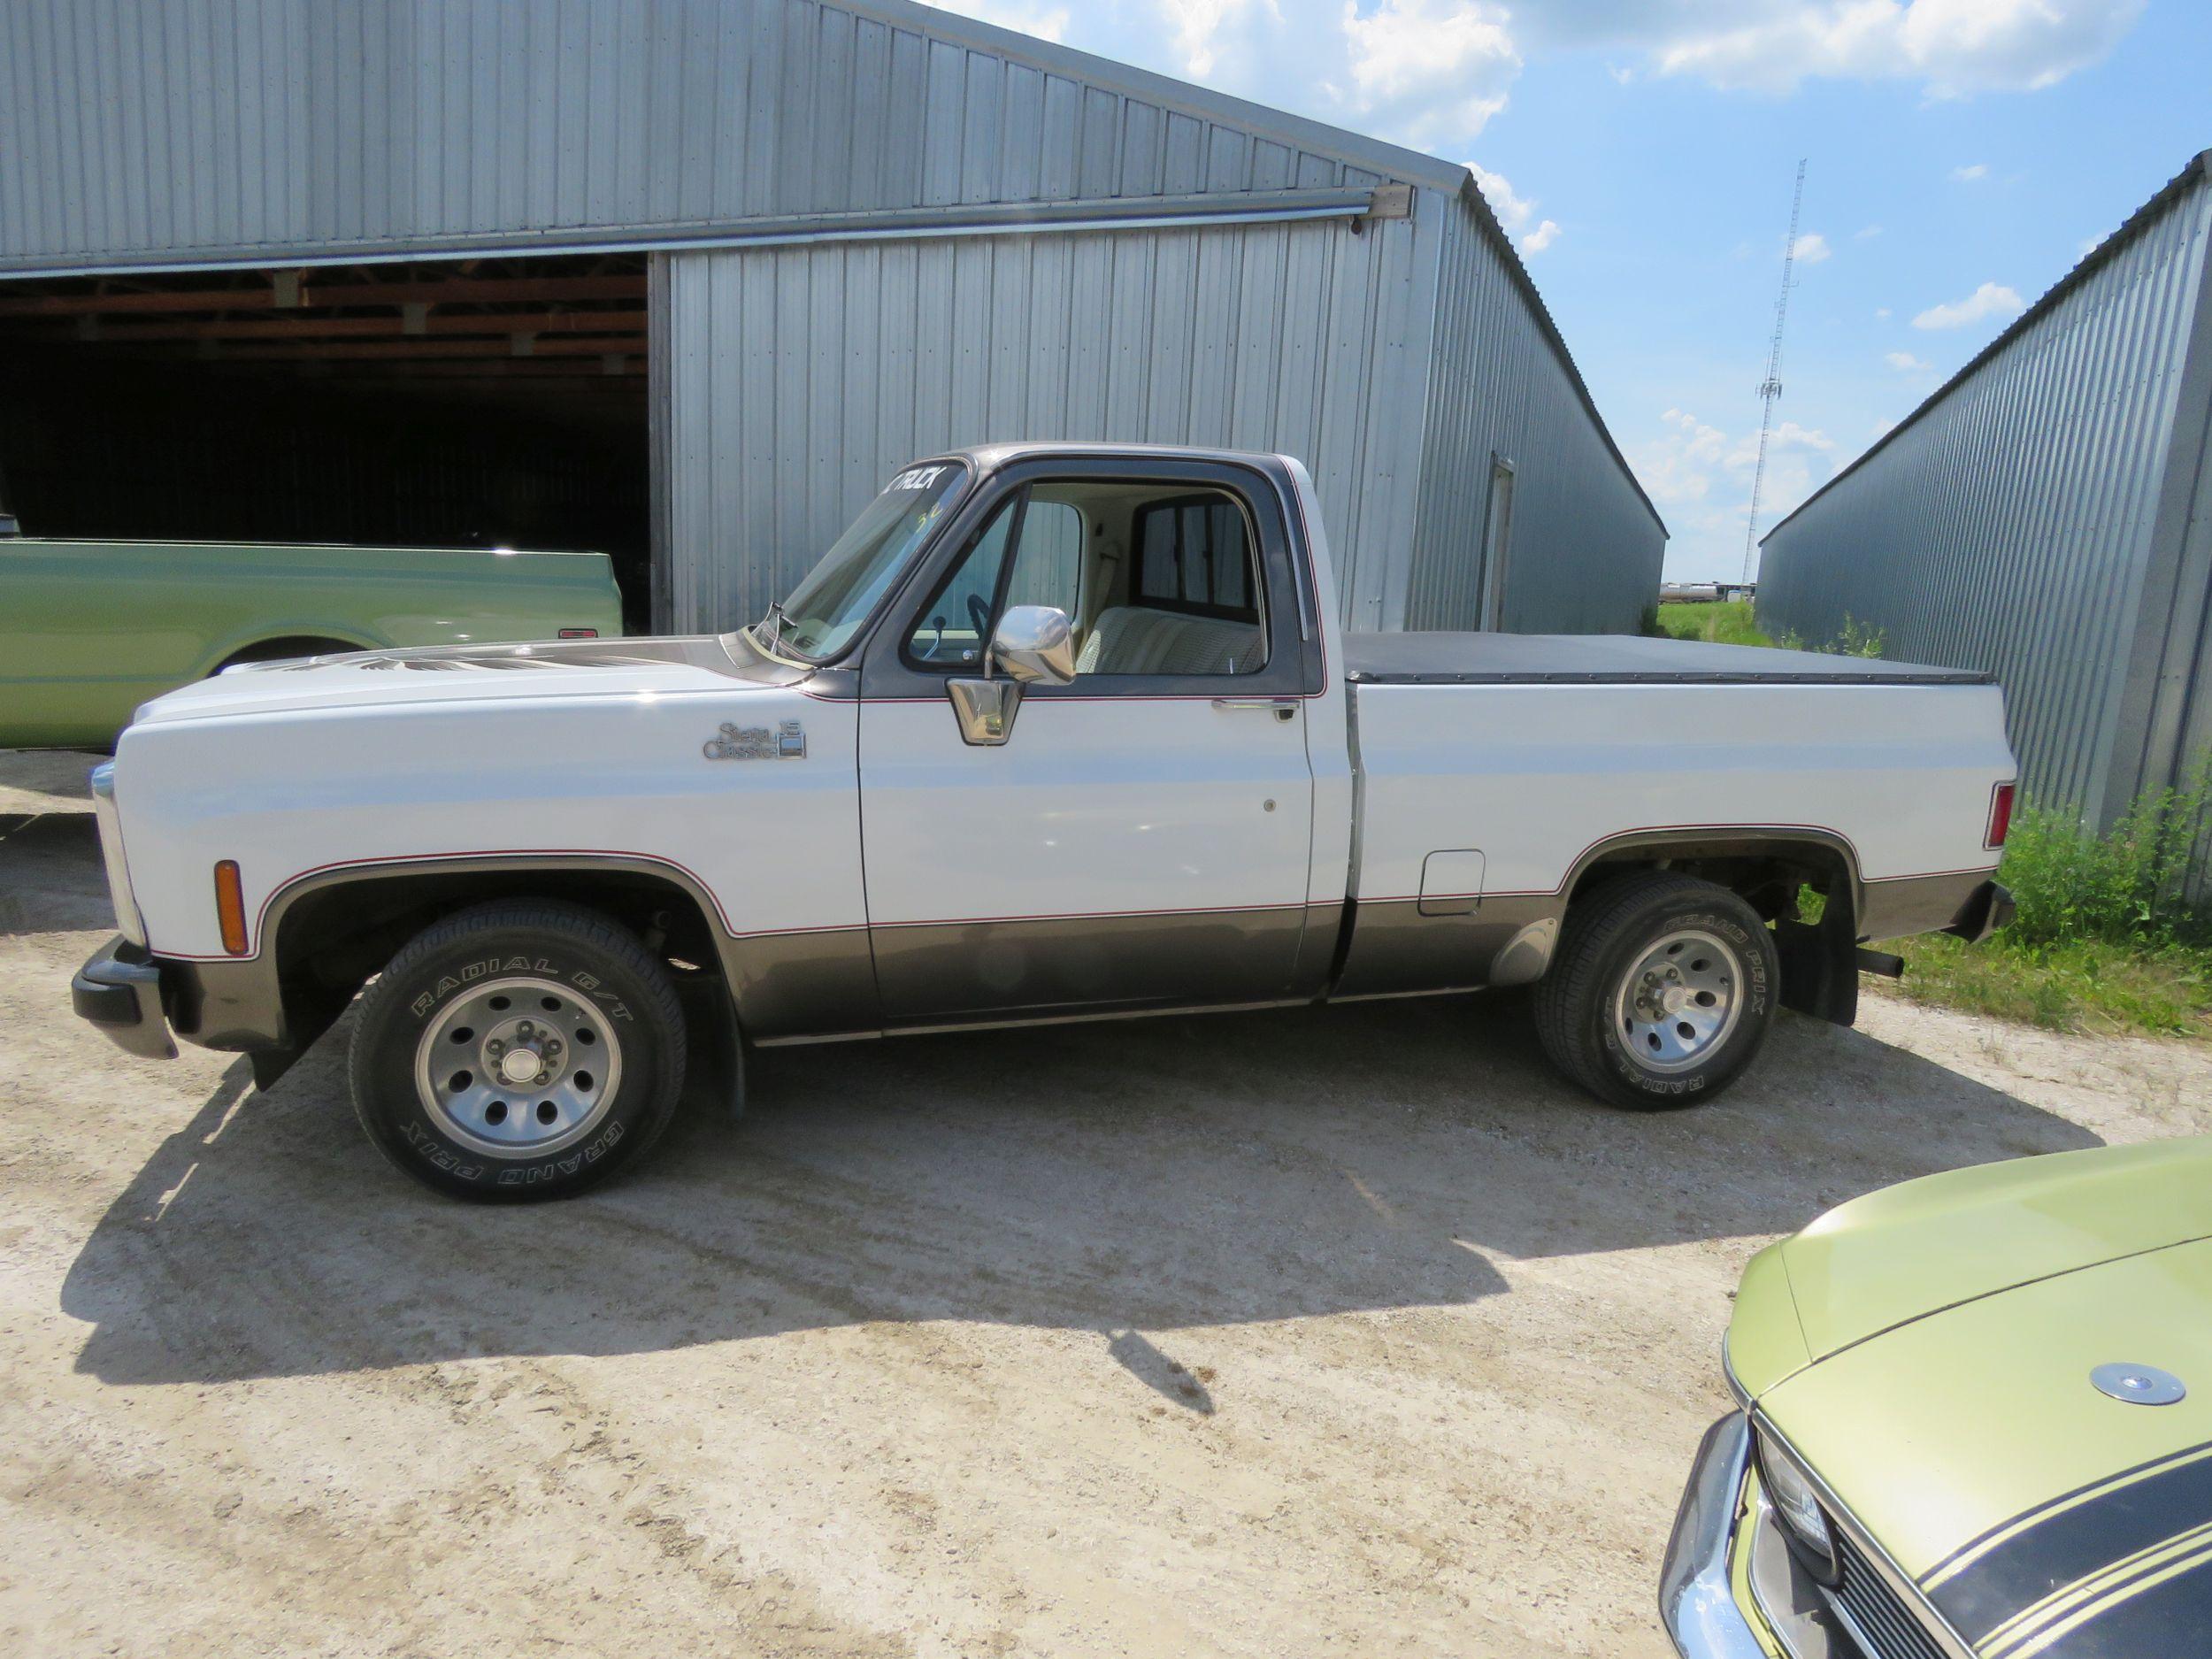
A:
(1804, 1523)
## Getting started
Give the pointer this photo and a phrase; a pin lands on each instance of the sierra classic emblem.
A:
(788, 741)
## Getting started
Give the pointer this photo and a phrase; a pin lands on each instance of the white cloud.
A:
(1679, 466)
(1784, 438)
(1974, 175)
(1991, 299)
(1882, 429)
(1046, 22)
(1702, 476)
(1198, 24)
(1867, 233)
(1903, 362)
(1811, 248)
(1431, 73)
(1517, 212)
(1954, 48)
(1428, 71)
(1881, 313)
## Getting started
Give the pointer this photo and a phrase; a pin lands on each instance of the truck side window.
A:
(1044, 540)
(1048, 565)
(1195, 555)
(1155, 579)
(1193, 601)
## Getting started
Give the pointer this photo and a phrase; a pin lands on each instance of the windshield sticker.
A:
(918, 477)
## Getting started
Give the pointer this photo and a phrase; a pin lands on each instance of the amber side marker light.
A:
(230, 907)
(2000, 816)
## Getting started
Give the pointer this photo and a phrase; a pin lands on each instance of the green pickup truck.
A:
(89, 630)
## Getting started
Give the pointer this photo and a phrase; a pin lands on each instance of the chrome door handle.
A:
(1283, 707)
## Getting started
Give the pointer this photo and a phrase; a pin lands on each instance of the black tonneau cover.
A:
(1614, 659)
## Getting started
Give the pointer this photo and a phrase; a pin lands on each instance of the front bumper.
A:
(1696, 1599)
(119, 989)
(1988, 907)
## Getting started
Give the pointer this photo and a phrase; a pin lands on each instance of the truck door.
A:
(1142, 836)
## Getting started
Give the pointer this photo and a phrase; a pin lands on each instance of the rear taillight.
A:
(580, 634)
(2000, 816)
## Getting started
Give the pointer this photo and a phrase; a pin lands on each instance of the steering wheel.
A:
(979, 613)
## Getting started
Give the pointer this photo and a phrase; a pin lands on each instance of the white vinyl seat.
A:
(1139, 639)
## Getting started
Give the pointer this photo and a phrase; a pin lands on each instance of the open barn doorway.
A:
(461, 403)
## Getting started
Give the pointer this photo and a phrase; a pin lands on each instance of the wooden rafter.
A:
(544, 291)
(594, 322)
(336, 350)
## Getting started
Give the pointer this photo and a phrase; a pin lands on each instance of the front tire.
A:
(517, 1050)
(1661, 992)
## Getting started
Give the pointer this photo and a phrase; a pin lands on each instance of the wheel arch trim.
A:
(254, 995)
(1727, 836)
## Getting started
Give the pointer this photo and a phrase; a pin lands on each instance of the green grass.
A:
(2084, 985)
(1729, 622)
(2107, 937)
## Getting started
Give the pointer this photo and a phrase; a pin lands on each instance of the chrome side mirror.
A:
(1035, 645)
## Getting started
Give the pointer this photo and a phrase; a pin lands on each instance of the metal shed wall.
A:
(2031, 519)
(227, 127)
(801, 378)
(1585, 548)
(178, 134)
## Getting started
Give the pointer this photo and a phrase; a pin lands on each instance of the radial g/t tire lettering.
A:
(518, 1051)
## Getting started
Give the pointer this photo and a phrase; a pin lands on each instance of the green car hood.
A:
(2037, 1514)
(1912, 1250)
(1927, 1350)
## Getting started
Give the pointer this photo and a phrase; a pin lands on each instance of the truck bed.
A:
(1614, 659)
(1521, 756)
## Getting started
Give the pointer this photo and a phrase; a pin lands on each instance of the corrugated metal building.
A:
(2046, 515)
(865, 230)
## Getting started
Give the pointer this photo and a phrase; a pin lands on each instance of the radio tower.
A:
(1771, 388)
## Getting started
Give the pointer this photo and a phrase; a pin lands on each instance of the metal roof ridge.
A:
(1183, 96)
(2199, 168)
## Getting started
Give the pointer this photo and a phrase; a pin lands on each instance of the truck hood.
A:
(2037, 1514)
(566, 668)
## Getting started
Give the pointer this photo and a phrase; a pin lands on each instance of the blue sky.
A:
(1962, 155)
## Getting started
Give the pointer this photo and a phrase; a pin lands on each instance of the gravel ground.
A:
(1347, 1331)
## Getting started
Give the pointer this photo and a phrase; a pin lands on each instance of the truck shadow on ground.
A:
(1119, 1179)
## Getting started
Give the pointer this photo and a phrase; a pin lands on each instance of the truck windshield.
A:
(828, 607)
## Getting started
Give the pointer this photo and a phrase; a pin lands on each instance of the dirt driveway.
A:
(1344, 1331)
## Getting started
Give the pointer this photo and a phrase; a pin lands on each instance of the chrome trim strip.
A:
(1696, 1601)
(109, 818)
(1728, 1371)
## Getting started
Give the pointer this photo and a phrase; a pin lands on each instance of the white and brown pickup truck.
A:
(1053, 732)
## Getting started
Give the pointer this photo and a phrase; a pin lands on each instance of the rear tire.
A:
(1661, 994)
(520, 1050)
